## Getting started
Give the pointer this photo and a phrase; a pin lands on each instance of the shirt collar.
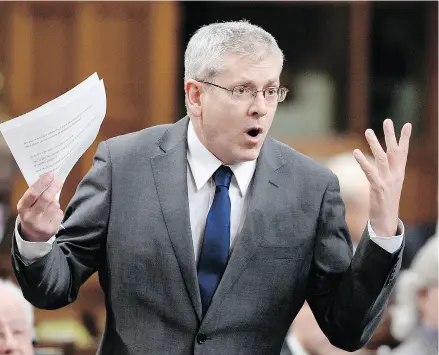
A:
(203, 164)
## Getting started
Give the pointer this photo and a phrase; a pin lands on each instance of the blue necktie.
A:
(216, 242)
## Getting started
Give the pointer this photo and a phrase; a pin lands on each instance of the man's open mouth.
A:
(253, 132)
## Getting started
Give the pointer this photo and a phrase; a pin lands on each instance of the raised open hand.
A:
(386, 177)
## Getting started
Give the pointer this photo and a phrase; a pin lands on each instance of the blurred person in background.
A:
(416, 236)
(414, 316)
(17, 332)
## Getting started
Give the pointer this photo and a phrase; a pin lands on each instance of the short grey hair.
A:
(422, 273)
(9, 286)
(206, 48)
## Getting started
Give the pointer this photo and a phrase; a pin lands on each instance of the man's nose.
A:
(258, 108)
(8, 343)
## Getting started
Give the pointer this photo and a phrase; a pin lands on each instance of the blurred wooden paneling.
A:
(3, 39)
(133, 46)
(53, 54)
(162, 54)
(359, 36)
(115, 43)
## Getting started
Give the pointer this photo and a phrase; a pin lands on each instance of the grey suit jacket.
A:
(129, 221)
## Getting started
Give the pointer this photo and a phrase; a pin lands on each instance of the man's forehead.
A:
(248, 70)
(12, 319)
(243, 80)
(10, 307)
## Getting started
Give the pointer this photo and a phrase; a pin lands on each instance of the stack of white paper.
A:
(54, 136)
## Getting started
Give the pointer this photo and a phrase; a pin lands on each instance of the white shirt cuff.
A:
(390, 244)
(31, 251)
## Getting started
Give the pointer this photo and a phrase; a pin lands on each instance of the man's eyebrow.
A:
(15, 321)
(18, 324)
(273, 81)
(245, 82)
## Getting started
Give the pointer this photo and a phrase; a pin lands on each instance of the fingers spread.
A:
(389, 135)
(404, 140)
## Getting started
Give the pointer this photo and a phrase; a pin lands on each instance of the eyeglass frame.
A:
(254, 92)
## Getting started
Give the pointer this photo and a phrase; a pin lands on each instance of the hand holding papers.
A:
(46, 143)
(54, 136)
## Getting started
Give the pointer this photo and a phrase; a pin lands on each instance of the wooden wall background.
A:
(47, 48)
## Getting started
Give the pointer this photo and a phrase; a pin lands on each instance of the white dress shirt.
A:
(201, 189)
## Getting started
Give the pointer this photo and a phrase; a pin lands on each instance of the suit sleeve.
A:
(347, 293)
(53, 280)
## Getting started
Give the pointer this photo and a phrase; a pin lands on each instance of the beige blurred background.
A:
(349, 65)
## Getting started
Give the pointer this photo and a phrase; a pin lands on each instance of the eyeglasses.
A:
(245, 93)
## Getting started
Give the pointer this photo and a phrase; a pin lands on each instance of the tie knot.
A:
(223, 176)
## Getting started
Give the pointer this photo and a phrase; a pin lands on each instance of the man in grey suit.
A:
(208, 235)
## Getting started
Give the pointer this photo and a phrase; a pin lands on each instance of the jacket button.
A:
(201, 338)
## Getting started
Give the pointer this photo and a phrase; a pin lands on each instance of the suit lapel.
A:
(170, 174)
(266, 182)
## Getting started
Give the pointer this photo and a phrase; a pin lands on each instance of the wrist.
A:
(384, 230)
(21, 233)
(28, 237)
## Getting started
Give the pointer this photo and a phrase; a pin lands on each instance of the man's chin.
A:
(239, 154)
(248, 154)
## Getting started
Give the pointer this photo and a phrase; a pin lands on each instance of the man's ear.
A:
(34, 338)
(192, 90)
(423, 293)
